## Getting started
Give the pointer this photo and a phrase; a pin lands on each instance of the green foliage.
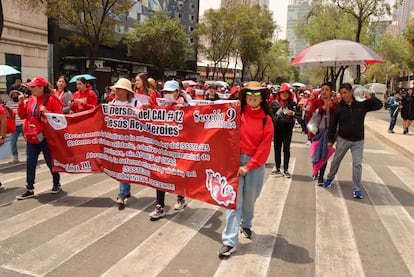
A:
(160, 41)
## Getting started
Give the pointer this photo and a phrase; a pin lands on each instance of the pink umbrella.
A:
(318, 165)
(189, 82)
(336, 52)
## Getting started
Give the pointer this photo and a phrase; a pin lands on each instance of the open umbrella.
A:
(298, 85)
(189, 82)
(335, 53)
(86, 76)
(7, 70)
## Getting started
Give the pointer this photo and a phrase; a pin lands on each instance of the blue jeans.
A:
(13, 140)
(32, 153)
(250, 187)
(393, 121)
(124, 188)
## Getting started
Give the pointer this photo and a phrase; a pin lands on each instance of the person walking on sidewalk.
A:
(12, 104)
(256, 132)
(41, 101)
(395, 105)
(347, 129)
(407, 111)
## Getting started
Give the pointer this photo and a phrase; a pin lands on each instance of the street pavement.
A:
(300, 229)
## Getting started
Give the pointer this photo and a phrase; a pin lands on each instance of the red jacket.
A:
(255, 139)
(89, 100)
(31, 107)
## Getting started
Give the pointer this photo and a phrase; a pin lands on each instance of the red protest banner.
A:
(192, 151)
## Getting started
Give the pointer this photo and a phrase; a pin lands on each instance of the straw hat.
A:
(254, 86)
(124, 84)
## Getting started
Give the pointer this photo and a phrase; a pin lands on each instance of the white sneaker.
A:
(14, 161)
(180, 205)
(158, 212)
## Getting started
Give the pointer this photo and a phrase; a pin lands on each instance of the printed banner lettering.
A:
(192, 151)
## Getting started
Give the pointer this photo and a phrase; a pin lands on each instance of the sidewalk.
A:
(402, 143)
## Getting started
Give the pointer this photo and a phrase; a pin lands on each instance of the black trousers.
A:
(282, 137)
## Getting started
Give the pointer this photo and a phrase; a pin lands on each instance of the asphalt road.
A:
(300, 229)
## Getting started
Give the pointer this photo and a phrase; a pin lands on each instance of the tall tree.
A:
(254, 36)
(216, 36)
(160, 41)
(92, 21)
(363, 12)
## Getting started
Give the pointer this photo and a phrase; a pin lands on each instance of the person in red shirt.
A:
(85, 98)
(40, 102)
(3, 127)
(256, 134)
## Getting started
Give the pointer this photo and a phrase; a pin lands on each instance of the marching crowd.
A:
(267, 115)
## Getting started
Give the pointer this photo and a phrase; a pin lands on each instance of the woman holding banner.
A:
(124, 96)
(41, 101)
(173, 97)
(256, 134)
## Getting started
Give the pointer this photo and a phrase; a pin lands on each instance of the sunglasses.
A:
(255, 93)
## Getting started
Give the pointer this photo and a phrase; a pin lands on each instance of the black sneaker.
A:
(286, 174)
(128, 195)
(226, 251)
(276, 171)
(1, 186)
(56, 189)
(246, 232)
(25, 195)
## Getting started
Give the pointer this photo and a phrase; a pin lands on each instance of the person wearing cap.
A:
(347, 129)
(212, 93)
(256, 133)
(12, 104)
(41, 101)
(84, 98)
(173, 97)
(234, 93)
(284, 111)
(407, 110)
(124, 96)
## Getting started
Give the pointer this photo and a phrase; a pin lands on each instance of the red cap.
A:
(234, 90)
(284, 87)
(38, 81)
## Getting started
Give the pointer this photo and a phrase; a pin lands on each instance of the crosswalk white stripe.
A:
(45, 185)
(405, 175)
(14, 176)
(336, 252)
(48, 256)
(160, 248)
(395, 218)
(254, 257)
(30, 218)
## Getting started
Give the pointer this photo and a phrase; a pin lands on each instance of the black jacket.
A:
(348, 120)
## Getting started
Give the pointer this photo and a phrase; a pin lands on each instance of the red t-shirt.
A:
(88, 98)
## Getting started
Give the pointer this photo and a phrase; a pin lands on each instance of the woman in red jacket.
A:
(85, 98)
(41, 101)
(256, 134)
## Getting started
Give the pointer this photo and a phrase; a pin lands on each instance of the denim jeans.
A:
(393, 121)
(13, 140)
(250, 187)
(32, 153)
(124, 188)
